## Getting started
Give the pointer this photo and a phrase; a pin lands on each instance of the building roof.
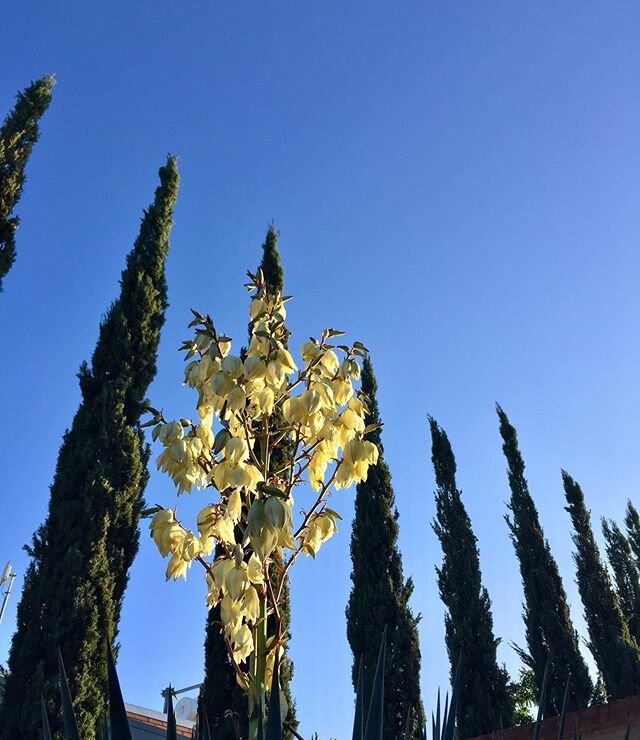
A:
(148, 723)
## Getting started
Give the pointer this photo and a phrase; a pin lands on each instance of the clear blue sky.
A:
(456, 183)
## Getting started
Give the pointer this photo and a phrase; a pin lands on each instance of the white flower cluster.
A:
(260, 402)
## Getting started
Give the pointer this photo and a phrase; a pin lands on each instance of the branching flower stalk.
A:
(229, 450)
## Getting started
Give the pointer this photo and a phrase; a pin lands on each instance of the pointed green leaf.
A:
(450, 725)
(46, 730)
(117, 712)
(101, 730)
(375, 717)
(358, 719)
(274, 723)
(407, 725)
(68, 715)
(543, 696)
(445, 717)
(563, 713)
(203, 722)
(172, 733)
(261, 723)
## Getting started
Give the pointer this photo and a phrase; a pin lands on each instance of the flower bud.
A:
(256, 518)
(275, 512)
(238, 555)
(236, 581)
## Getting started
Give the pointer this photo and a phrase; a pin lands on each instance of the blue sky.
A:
(455, 183)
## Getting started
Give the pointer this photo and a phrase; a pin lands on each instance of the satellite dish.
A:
(5, 573)
(187, 708)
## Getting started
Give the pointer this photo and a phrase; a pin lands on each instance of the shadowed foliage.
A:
(484, 701)
(81, 555)
(18, 134)
(380, 594)
(615, 652)
(549, 631)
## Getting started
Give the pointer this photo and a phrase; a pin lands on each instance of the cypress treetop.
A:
(271, 264)
(632, 520)
(224, 700)
(484, 701)
(18, 134)
(549, 631)
(615, 652)
(625, 573)
(380, 594)
(74, 585)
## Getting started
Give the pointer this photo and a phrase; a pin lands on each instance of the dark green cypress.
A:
(615, 652)
(75, 582)
(549, 631)
(271, 264)
(222, 697)
(625, 574)
(484, 700)
(18, 134)
(632, 520)
(380, 594)
(220, 691)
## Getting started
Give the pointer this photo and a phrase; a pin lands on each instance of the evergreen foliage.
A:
(615, 652)
(380, 594)
(18, 133)
(632, 520)
(625, 573)
(80, 556)
(525, 695)
(220, 691)
(549, 631)
(485, 702)
(224, 701)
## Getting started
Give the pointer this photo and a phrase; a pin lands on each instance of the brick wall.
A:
(603, 722)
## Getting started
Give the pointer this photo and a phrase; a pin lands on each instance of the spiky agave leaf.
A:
(274, 720)
(172, 732)
(102, 732)
(358, 719)
(543, 697)
(46, 730)
(117, 713)
(68, 715)
(563, 713)
(449, 724)
(261, 722)
(375, 716)
(445, 717)
(407, 725)
(204, 730)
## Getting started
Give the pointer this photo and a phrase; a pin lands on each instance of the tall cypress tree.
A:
(18, 134)
(380, 594)
(615, 652)
(632, 520)
(75, 582)
(220, 692)
(625, 574)
(484, 701)
(549, 631)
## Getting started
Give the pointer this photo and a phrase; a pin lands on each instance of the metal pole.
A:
(7, 593)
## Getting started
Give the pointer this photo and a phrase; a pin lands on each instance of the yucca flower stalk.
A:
(229, 449)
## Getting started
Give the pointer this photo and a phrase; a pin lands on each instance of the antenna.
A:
(7, 575)
(165, 693)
